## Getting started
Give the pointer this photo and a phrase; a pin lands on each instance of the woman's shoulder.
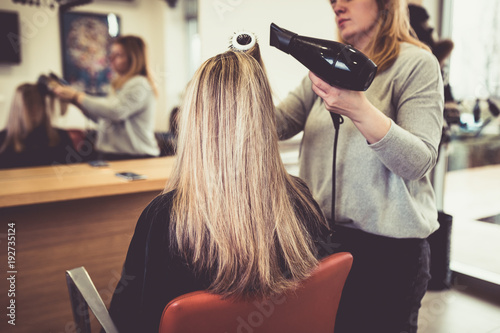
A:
(138, 80)
(136, 87)
(299, 181)
(161, 204)
(156, 214)
(412, 61)
(315, 223)
(302, 187)
(410, 53)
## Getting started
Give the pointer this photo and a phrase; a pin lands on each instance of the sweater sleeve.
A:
(130, 99)
(409, 149)
(292, 112)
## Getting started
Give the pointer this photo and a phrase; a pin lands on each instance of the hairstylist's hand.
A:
(372, 123)
(68, 93)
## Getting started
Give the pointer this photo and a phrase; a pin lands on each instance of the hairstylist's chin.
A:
(346, 34)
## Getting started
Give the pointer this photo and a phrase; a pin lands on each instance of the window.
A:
(474, 27)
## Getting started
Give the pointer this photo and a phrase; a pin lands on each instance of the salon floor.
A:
(472, 304)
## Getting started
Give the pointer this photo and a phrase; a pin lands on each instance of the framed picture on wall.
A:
(85, 41)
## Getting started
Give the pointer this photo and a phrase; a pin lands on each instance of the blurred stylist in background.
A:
(387, 147)
(126, 117)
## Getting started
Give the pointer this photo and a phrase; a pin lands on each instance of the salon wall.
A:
(218, 20)
(160, 26)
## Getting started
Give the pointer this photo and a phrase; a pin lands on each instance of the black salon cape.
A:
(154, 274)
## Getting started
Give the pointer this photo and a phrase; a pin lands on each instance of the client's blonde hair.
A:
(237, 213)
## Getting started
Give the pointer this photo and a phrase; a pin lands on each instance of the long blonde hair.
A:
(393, 27)
(237, 213)
(136, 52)
(30, 109)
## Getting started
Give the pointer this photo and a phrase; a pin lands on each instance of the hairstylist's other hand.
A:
(372, 123)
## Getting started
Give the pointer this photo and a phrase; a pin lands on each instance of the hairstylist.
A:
(387, 146)
(126, 117)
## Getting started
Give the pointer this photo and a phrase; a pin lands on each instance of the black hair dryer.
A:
(336, 63)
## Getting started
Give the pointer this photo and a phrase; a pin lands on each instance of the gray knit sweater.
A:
(382, 188)
(125, 119)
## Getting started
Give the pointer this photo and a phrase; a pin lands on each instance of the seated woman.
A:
(231, 219)
(30, 139)
(126, 118)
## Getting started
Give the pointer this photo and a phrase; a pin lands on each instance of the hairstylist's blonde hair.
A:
(393, 28)
(135, 49)
(237, 213)
(30, 110)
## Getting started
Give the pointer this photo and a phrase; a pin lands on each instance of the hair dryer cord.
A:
(337, 120)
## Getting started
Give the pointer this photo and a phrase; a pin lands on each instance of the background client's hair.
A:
(31, 109)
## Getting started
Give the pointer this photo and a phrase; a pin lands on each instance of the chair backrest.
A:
(83, 294)
(312, 307)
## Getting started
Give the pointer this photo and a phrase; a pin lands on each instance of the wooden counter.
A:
(68, 216)
(28, 186)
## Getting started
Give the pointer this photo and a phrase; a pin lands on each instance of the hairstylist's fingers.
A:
(57, 91)
(52, 85)
(319, 92)
(319, 83)
(64, 92)
(326, 92)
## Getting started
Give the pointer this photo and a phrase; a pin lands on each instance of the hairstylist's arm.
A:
(292, 112)
(130, 99)
(69, 94)
(409, 146)
(74, 96)
(370, 121)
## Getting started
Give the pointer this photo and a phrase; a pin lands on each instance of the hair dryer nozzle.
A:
(337, 64)
(281, 38)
